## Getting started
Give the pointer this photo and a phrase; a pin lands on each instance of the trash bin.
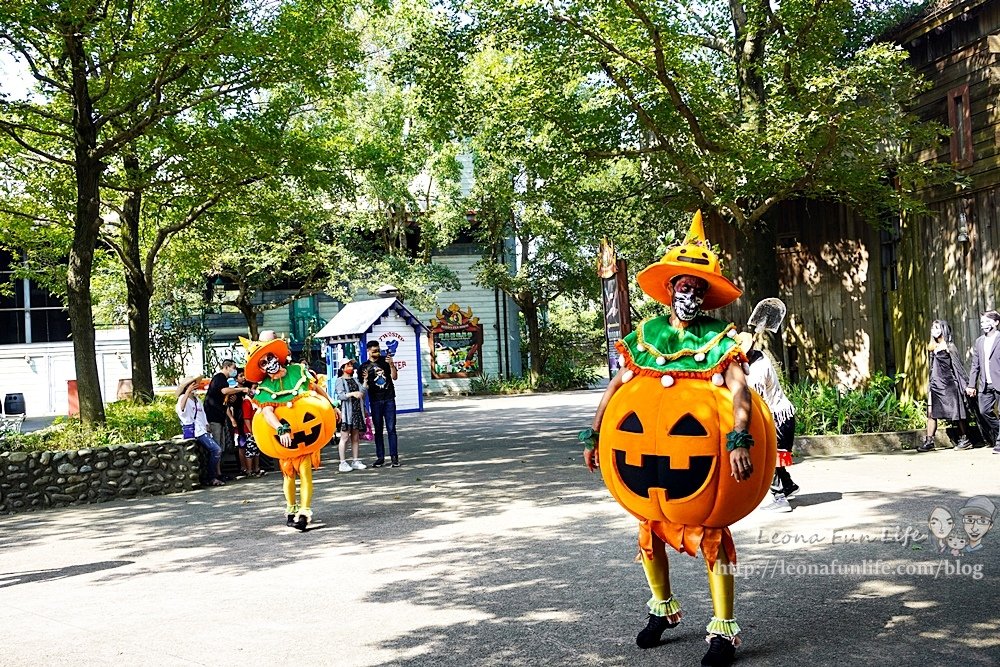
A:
(74, 398)
(13, 404)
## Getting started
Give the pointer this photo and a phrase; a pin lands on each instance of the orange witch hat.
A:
(694, 257)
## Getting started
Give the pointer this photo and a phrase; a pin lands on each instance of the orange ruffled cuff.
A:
(688, 539)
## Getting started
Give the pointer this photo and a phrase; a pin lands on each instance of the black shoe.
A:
(927, 445)
(378, 464)
(395, 463)
(291, 520)
(650, 635)
(791, 492)
(302, 522)
(964, 444)
(721, 652)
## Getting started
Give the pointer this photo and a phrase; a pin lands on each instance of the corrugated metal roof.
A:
(357, 318)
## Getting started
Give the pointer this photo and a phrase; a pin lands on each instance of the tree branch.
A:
(692, 178)
(667, 81)
(32, 65)
(28, 216)
(10, 130)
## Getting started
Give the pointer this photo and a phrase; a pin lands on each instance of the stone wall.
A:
(35, 480)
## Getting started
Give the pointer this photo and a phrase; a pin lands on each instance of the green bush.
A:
(556, 378)
(562, 377)
(823, 409)
(492, 384)
(126, 422)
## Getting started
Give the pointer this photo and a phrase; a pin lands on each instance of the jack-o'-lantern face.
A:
(664, 458)
(312, 420)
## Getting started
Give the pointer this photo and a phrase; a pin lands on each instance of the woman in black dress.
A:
(946, 397)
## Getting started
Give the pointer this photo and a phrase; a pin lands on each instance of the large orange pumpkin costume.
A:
(293, 399)
(665, 423)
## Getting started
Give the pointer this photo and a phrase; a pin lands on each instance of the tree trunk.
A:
(87, 223)
(78, 297)
(139, 292)
(250, 315)
(530, 309)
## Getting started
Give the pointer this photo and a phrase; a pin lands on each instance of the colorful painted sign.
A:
(456, 343)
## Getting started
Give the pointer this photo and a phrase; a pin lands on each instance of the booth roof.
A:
(357, 318)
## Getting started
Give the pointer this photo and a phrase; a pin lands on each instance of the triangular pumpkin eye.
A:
(631, 424)
(688, 425)
(308, 417)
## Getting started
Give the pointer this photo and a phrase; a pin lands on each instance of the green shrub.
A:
(126, 422)
(562, 377)
(492, 384)
(823, 409)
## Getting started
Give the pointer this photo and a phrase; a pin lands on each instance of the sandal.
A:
(216, 482)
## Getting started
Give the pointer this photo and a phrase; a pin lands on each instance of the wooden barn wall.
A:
(941, 277)
(959, 53)
(829, 274)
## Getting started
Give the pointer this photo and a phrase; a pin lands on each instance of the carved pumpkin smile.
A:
(656, 473)
(304, 438)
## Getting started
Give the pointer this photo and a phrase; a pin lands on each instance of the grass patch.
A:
(126, 422)
(823, 409)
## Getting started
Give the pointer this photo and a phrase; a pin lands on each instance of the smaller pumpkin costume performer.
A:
(295, 422)
(677, 429)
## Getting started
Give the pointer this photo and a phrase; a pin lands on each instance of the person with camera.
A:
(379, 373)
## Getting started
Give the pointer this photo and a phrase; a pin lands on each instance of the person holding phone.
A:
(379, 373)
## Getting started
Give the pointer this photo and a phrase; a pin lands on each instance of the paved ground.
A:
(493, 546)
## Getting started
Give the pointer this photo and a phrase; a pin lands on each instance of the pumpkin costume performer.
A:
(684, 445)
(295, 422)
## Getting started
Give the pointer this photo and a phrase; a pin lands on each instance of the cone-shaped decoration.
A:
(696, 233)
(694, 257)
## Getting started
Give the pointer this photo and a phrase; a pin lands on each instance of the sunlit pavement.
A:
(493, 545)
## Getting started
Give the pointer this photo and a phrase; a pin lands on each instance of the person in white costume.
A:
(762, 377)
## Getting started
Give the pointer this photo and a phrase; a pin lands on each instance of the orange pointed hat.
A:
(694, 257)
(256, 349)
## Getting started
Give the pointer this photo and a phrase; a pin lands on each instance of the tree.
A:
(731, 107)
(189, 168)
(541, 206)
(107, 71)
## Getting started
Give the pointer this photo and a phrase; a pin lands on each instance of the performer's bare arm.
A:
(739, 458)
(275, 423)
(590, 456)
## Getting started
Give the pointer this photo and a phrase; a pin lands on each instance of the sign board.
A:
(614, 295)
(456, 344)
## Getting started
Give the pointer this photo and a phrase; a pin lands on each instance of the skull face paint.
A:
(688, 295)
(987, 324)
(270, 364)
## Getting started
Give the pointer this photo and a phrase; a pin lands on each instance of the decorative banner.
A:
(614, 291)
(456, 344)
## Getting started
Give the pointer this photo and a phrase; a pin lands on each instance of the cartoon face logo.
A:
(977, 519)
(390, 347)
(941, 523)
(956, 542)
